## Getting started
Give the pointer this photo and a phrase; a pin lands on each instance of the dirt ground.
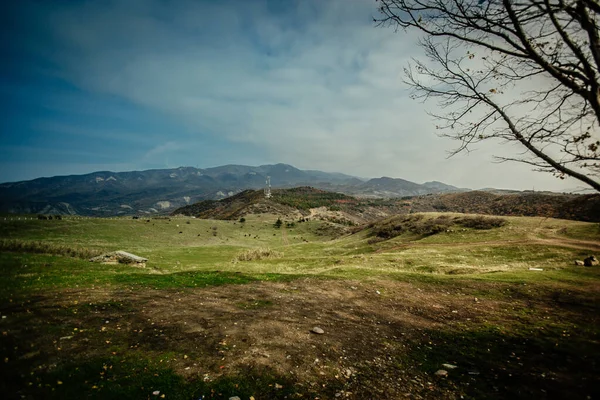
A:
(382, 339)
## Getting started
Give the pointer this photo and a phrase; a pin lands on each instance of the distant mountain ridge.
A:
(106, 193)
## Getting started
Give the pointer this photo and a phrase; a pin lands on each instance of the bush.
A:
(278, 223)
(480, 222)
(242, 220)
(418, 224)
(258, 254)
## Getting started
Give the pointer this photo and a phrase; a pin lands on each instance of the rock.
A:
(235, 398)
(120, 257)
(441, 372)
(156, 392)
(590, 261)
(317, 330)
(579, 262)
(449, 366)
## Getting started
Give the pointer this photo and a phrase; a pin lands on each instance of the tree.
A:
(523, 71)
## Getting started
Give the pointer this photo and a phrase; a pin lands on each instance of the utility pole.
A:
(268, 188)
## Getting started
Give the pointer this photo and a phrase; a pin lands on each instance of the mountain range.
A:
(159, 191)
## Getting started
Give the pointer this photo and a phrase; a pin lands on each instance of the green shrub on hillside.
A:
(480, 222)
(304, 198)
(418, 224)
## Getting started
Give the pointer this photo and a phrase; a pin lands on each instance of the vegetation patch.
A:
(258, 254)
(42, 247)
(421, 225)
(304, 198)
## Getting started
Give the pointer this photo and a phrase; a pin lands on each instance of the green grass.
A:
(43, 266)
(204, 253)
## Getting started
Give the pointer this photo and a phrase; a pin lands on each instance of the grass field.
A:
(224, 309)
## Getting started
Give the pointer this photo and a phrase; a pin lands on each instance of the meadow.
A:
(226, 308)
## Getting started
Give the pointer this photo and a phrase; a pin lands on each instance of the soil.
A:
(382, 339)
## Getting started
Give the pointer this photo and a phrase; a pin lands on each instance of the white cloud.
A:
(318, 87)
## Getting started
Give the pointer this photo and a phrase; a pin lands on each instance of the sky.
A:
(143, 84)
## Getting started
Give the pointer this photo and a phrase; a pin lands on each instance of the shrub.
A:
(480, 222)
(258, 254)
(278, 223)
(418, 224)
(242, 220)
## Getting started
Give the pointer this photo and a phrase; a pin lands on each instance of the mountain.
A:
(106, 193)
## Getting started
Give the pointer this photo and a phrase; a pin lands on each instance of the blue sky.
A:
(140, 84)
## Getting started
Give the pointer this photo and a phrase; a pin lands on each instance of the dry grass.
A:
(41, 247)
(258, 254)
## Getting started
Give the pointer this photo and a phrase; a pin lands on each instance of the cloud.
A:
(311, 83)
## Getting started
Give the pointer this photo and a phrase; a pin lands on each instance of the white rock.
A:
(317, 330)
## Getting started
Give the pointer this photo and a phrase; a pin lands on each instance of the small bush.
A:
(258, 254)
(242, 220)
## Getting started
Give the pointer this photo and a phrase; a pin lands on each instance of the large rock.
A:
(590, 261)
(120, 257)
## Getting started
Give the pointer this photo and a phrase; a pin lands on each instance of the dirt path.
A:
(555, 241)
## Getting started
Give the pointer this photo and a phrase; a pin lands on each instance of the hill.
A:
(565, 206)
(349, 210)
(295, 202)
(161, 191)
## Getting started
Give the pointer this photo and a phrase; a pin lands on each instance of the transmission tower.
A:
(268, 188)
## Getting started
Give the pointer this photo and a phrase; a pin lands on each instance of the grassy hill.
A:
(225, 308)
(299, 201)
(284, 201)
(577, 207)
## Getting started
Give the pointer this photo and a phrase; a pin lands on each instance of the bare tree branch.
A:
(524, 71)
